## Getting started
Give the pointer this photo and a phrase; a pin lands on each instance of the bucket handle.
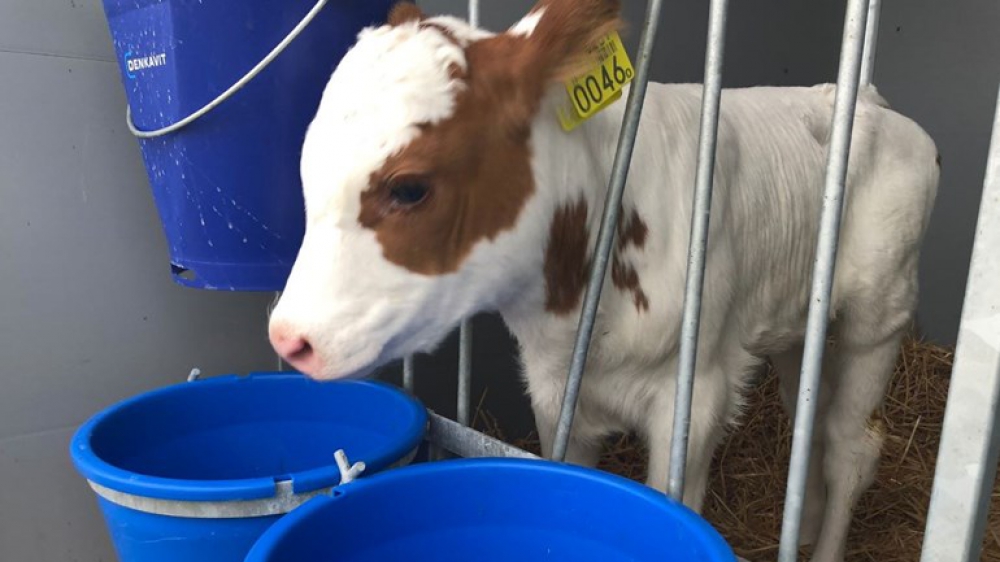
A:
(235, 87)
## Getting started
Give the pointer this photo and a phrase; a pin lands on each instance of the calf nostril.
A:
(303, 351)
(287, 343)
(295, 348)
(302, 357)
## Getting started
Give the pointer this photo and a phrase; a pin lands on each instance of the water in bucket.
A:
(227, 186)
(195, 472)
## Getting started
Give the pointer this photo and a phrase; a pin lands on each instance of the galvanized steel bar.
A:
(970, 436)
(871, 41)
(474, 12)
(408, 373)
(445, 434)
(612, 208)
(710, 100)
(465, 331)
(464, 373)
(845, 102)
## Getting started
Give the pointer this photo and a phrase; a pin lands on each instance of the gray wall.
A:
(939, 63)
(88, 314)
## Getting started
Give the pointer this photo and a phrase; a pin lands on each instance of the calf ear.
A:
(566, 29)
(404, 12)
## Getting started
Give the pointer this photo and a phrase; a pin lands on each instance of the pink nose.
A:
(295, 349)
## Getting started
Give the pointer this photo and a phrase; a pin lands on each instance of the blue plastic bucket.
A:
(227, 185)
(195, 472)
(492, 510)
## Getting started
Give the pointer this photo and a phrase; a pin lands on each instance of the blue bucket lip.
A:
(720, 551)
(97, 470)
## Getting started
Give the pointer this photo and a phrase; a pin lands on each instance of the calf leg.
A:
(864, 362)
(583, 450)
(789, 367)
(710, 410)
(584, 447)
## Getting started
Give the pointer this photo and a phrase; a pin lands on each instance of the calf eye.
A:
(408, 192)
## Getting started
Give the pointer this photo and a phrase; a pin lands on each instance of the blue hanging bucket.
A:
(492, 510)
(220, 141)
(195, 472)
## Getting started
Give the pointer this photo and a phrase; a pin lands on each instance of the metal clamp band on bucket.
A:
(235, 87)
(283, 501)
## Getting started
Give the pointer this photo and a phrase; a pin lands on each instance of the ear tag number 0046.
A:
(601, 86)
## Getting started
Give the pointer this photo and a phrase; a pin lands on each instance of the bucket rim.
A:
(96, 470)
(718, 549)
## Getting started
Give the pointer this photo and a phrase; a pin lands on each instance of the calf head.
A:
(417, 170)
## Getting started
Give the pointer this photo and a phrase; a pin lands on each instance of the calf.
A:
(439, 183)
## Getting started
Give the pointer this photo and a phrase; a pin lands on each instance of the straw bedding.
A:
(745, 497)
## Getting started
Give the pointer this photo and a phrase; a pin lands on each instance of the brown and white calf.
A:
(438, 183)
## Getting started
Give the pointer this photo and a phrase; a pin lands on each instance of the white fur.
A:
(526, 26)
(360, 311)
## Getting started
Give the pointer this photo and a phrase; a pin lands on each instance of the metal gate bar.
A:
(970, 436)
(845, 102)
(408, 373)
(464, 373)
(871, 41)
(612, 208)
(697, 245)
(465, 331)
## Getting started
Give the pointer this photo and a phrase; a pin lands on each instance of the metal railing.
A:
(691, 319)
(465, 331)
(970, 438)
(848, 81)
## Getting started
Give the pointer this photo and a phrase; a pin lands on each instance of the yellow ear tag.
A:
(596, 89)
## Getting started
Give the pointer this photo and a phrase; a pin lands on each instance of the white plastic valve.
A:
(348, 472)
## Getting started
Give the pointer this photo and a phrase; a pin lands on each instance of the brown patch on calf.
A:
(631, 232)
(404, 12)
(567, 260)
(626, 278)
(477, 163)
(566, 31)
